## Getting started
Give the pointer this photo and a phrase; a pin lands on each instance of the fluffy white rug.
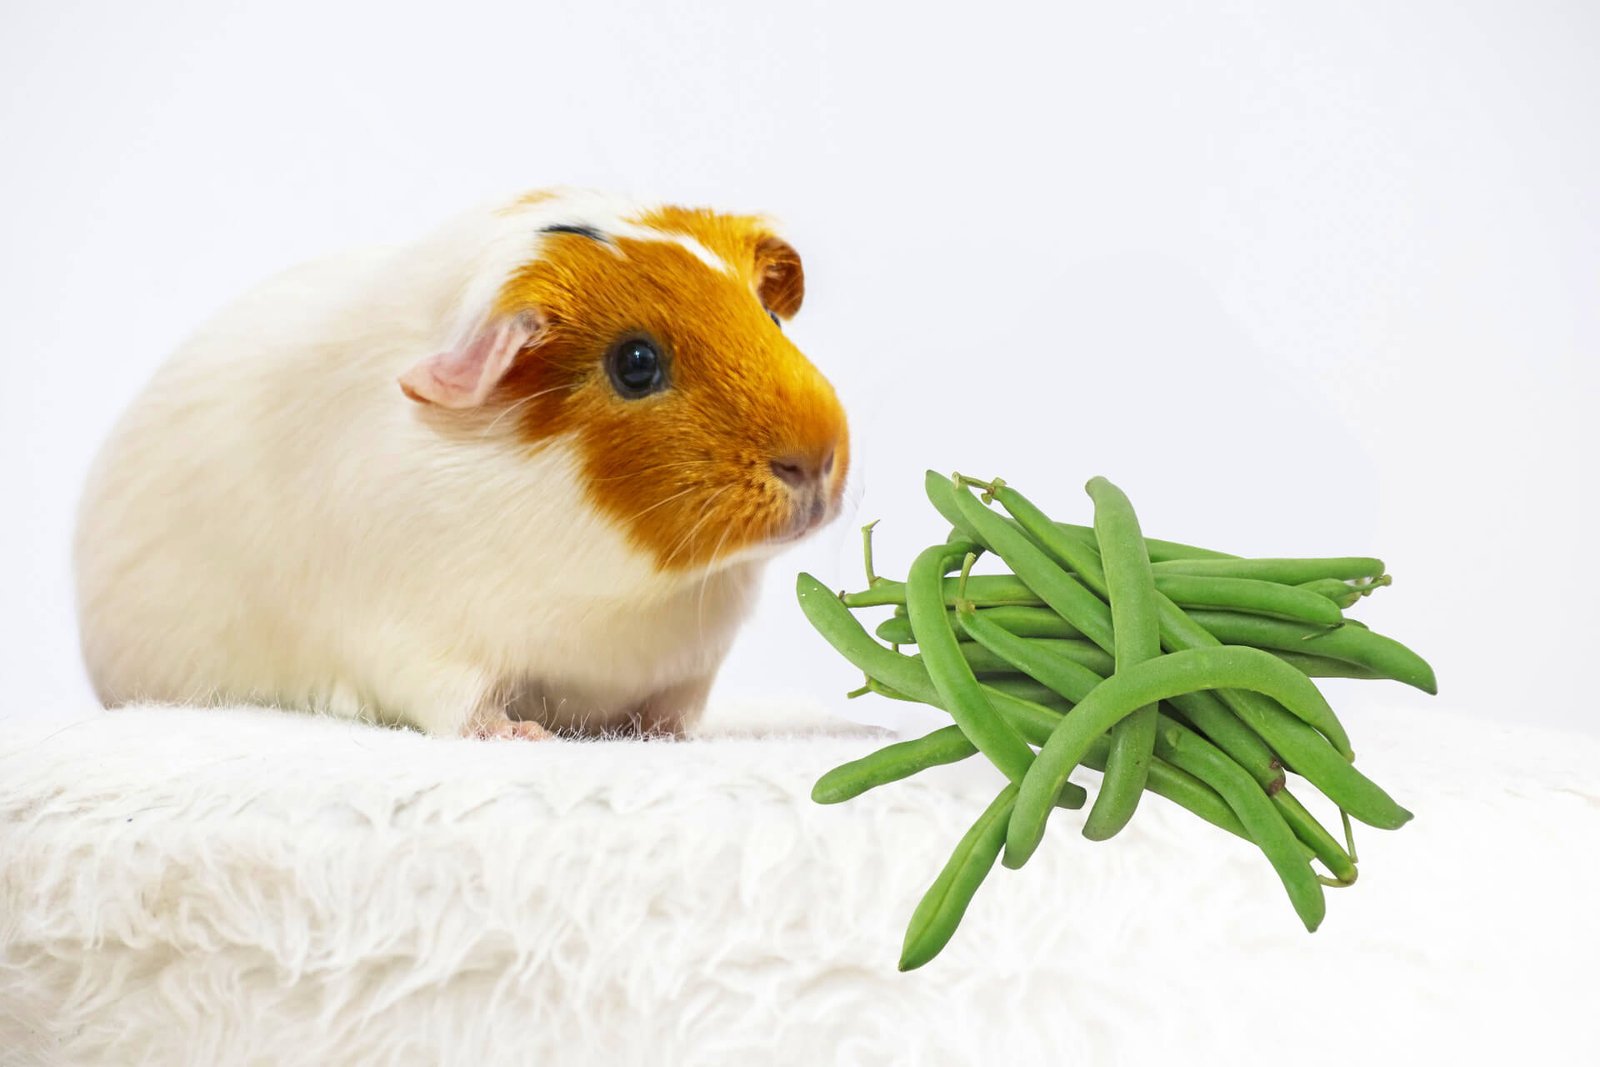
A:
(244, 886)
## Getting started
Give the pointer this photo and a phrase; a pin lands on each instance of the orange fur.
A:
(685, 472)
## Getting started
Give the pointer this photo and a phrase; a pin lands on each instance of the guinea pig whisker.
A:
(520, 403)
(659, 503)
(705, 579)
(684, 541)
(652, 469)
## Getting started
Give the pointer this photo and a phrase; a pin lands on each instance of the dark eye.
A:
(635, 369)
(773, 315)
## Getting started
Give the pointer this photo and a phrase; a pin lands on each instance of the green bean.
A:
(1025, 688)
(952, 677)
(1178, 786)
(1251, 595)
(1074, 681)
(1116, 697)
(834, 622)
(1287, 571)
(1037, 659)
(1165, 780)
(1031, 622)
(1353, 644)
(984, 662)
(1055, 587)
(902, 759)
(1324, 666)
(985, 589)
(844, 632)
(1011, 683)
(1237, 594)
(1177, 632)
(1136, 634)
(1310, 753)
(939, 911)
(1158, 550)
(1189, 751)
(892, 763)
(905, 674)
(830, 618)
(1044, 623)
(1073, 678)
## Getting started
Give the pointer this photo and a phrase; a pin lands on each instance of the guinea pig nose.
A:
(798, 468)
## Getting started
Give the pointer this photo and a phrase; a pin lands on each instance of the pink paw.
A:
(508, 729)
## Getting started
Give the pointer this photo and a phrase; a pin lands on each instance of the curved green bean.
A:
(1324, 666)
(941, 656)
(939, 911)
(892, 763)
(1130, 689)
(1059, 590)
(1353, 644)
(1035, 658)
(1158, 550)
(1083, 653)
(1136, 634)
(1073, 679)
(1190, 752)
(985, 589)
(905, 674)
(1287, 571)
(1242, 719)
(901, 760)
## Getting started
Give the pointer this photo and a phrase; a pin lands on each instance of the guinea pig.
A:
(521, 474)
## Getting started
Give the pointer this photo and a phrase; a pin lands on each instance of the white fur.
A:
(273, 521)
(226, 886)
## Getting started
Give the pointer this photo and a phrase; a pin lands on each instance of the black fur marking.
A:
(582, 231)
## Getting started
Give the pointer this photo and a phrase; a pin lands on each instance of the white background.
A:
(1303, 279)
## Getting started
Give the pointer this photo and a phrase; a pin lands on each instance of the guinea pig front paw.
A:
(498, 727)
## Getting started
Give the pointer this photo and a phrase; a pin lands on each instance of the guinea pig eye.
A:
(635, 369)
(773, 315)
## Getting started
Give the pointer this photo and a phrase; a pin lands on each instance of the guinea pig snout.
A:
(801, 470)
(808, 476)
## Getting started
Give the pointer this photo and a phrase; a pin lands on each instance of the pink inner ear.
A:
(464, 377)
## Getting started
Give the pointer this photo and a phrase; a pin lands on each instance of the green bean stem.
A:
(1136, 635)
(1343, 593)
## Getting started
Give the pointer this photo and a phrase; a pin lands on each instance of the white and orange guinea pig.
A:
(523, 473)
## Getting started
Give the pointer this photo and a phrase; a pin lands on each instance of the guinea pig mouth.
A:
(806, 515)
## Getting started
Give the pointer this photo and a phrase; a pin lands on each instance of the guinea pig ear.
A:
(780, 280)
(464, 376)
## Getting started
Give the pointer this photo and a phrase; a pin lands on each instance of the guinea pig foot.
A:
(502, 728)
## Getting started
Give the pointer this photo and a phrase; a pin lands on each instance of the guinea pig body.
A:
(528, 468)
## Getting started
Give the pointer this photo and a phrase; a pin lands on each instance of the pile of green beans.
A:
(1169, 668)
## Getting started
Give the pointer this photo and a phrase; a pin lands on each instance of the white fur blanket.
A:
(242, 886)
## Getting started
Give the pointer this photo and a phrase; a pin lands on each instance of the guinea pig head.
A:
(653, 348)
